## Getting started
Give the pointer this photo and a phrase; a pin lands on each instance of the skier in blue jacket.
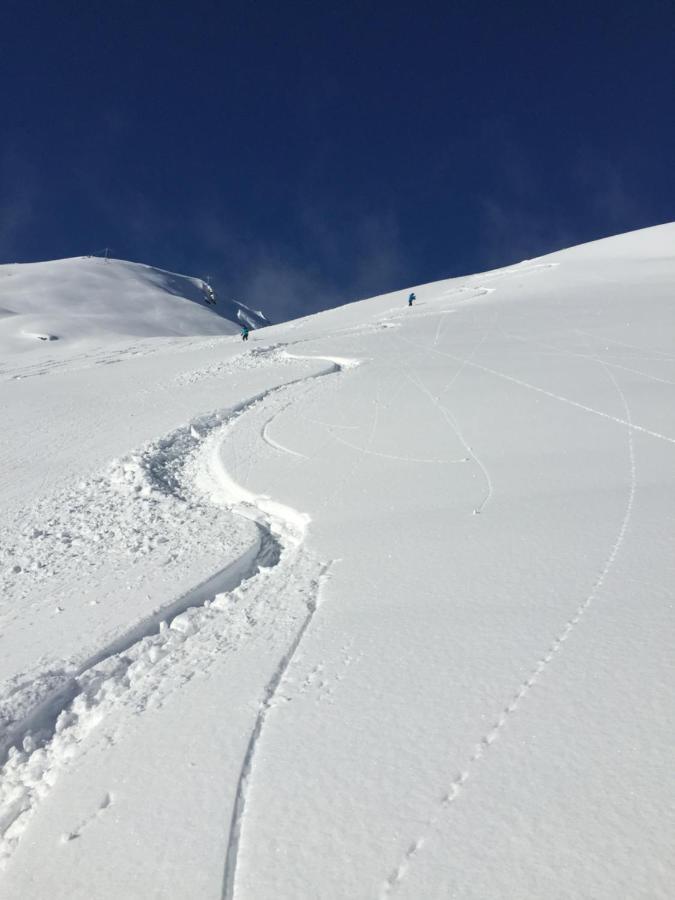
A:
(411, 298)
(244, 332)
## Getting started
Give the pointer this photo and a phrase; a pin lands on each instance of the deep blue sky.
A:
(308, 153)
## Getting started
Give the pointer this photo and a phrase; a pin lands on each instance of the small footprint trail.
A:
(458, 783)
(319, 680)
(104, 805)
(47, 737)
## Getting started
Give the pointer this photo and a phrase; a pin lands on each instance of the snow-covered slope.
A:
(88, 297)
(379, 605)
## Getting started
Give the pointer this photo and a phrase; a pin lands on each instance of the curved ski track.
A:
(44, 739)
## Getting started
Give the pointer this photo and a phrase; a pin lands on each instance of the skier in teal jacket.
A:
(411, 298)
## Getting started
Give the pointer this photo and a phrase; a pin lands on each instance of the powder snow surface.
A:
(379, 604)
(92, 299)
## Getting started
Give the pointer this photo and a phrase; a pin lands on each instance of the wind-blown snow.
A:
(378, 605)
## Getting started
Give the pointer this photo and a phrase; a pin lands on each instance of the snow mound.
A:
(89, 297)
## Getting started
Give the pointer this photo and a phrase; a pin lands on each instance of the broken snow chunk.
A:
(155, 653)
(182, 624)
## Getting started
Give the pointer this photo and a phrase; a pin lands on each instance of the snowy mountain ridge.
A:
(95, 298)
(379, 605)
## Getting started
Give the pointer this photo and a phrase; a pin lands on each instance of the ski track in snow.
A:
(523, 268)
(265, 435)
(267, 703)
(246, 770)
(370, 452)
(49, 735)
(589, 356)
(71, 363)
(268, 439)
(642, 351)
(451, 420)
(458, 783)
(533, 387)
(253, 358)
(445, 412)
(349, 475)
(439, 327)
(105, 356)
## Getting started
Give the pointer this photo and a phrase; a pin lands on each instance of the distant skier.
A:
(411, 298)
(244, 332)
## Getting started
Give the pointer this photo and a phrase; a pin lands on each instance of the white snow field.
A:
(378, 605)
